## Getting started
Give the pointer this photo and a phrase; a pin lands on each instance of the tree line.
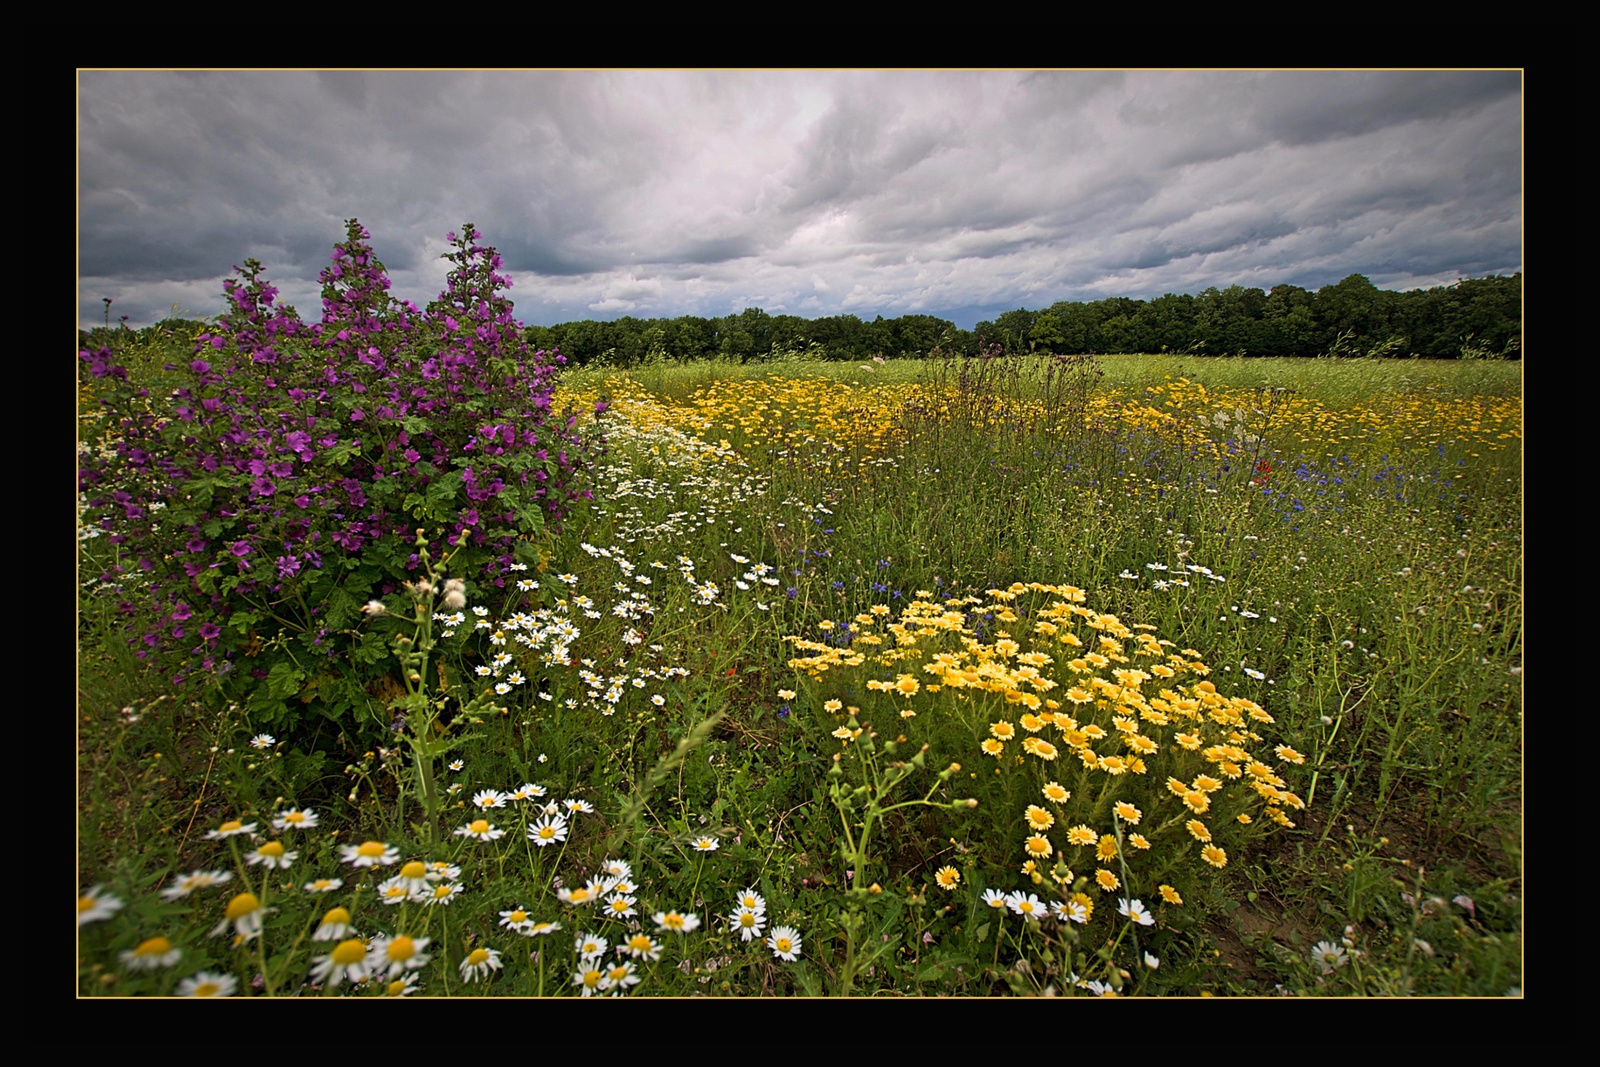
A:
(1473, 318)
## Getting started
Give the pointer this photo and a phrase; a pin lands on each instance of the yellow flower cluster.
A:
(833, 425)
(1080, 693)
(1188, 409)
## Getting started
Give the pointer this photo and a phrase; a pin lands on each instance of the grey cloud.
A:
(349, 86)
(927, 190)
(1316, 106)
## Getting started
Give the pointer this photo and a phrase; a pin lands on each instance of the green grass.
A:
(1372, 578)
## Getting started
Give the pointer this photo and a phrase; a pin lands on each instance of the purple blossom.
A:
(237, 426)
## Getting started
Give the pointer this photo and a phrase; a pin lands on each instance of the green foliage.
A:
(1384, 619)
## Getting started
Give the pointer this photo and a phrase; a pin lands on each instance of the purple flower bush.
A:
(280, 487)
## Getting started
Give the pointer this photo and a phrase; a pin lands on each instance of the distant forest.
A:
(1475, 317)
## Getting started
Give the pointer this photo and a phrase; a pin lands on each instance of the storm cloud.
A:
(812, 193)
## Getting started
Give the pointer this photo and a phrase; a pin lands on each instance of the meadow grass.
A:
(1137, 674)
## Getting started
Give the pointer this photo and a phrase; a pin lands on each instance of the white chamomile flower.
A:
(1328, 956)
(185, 884)
(208, 984)
(149, 954)
(748, 922)
(785, 943)
(478, 963)
(305, 819)
(484, 799)
(96, 905)
(481, 830)
(271, 855)
(349, 959)
(1135, 910)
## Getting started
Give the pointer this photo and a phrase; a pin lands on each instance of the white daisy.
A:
(481, 830)
(96, 905)
(549, 830)
(1135, 910)
(484, 799)
(149, 954)
(393, 955)
(295, 820)
(270, 855)
(185, 884)
(349, 959)
(785, 943)
(208, 984)
(478, 963)
(748, 922)
(369, 854)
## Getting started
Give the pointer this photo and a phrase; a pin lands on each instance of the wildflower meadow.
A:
(415, 662)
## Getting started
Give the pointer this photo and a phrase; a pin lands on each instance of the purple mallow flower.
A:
(264, 394)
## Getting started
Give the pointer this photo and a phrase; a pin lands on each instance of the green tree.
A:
(1228, 321)
(1014, 329)
(1048, 333)
(1350, 314)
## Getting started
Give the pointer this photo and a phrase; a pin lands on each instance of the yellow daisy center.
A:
(480, 826)
(414, 870)
(273, 849)
(747, 919)
(479, 956)
(155, 946)
(348, 952)
(242, 905)
(336, 917)
(783, 944)
(519, 916)
(230, 826)
(371, 849)
(207, 989)
(402, 948)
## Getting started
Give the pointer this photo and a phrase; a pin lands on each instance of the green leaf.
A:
(284, 679)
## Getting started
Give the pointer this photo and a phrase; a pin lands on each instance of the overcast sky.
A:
(958, 194)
